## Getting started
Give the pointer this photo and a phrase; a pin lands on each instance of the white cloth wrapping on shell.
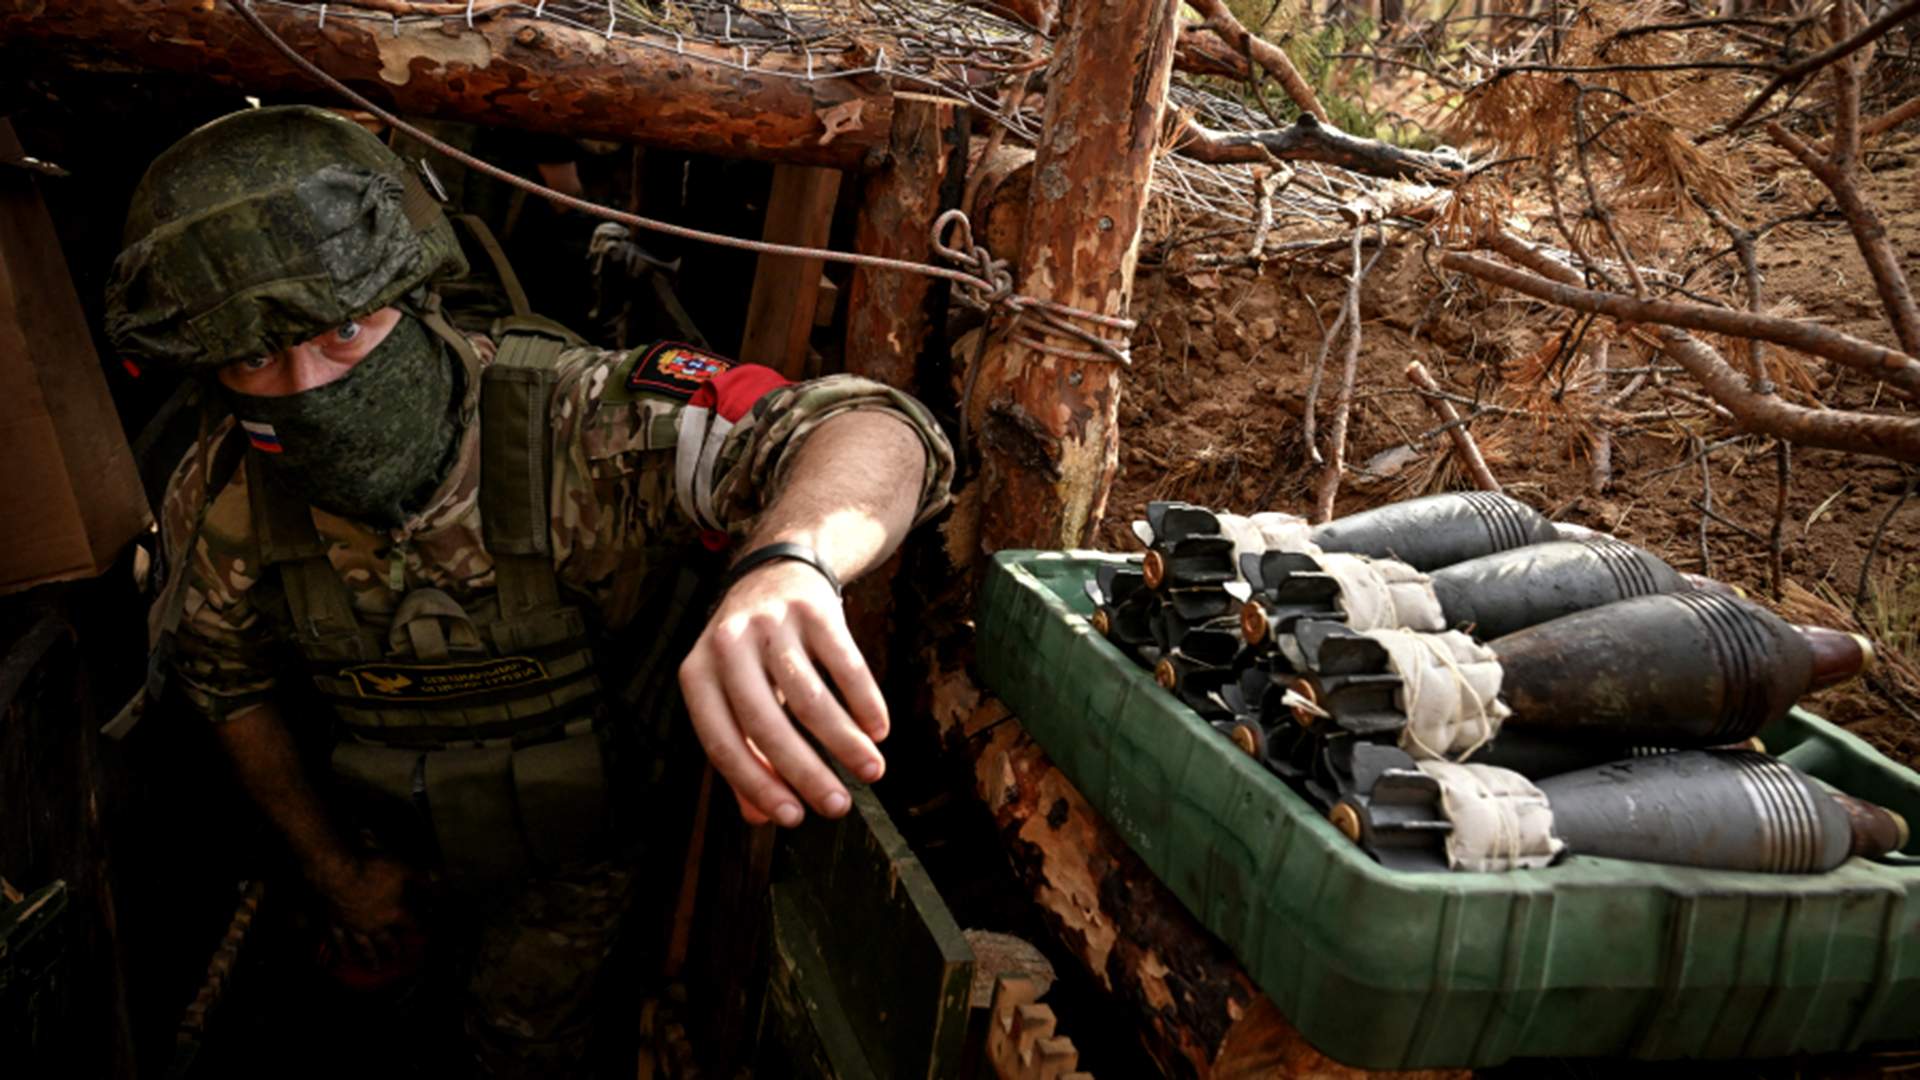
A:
(1500, 820)
(1267, 531)
(1449, 690)
(1384, 594)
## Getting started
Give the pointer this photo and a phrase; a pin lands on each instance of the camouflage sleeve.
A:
(642, 468)
(223, 655)
(750, 467)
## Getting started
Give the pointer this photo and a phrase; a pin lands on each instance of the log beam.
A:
(1048, 424)
(507, 69)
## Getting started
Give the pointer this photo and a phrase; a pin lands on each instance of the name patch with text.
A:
(433, 682)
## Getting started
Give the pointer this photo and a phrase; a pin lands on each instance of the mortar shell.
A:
(1713, 809)
(1678, 669)
(1438, 530)
(1507, 591)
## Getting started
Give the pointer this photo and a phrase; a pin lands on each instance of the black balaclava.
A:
(371, 445)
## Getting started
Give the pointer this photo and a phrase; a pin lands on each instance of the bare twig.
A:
(1783, 470)
(1706, 511)
(1895, 437)
(1595, 206)
(1454, 425)
(1889, 120)
(1267, 184)
(1873, 546)
(1309, 423)
(480, 9)
(1329, 485)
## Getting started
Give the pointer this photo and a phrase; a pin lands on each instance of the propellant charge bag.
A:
(1438, 530)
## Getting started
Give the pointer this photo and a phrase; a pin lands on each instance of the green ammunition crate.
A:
(1392, 970)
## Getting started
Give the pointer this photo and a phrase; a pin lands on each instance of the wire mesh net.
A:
(970, 53)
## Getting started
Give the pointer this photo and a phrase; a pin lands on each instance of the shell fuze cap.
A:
(265, 228)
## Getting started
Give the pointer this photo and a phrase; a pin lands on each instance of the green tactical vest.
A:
(487, 716)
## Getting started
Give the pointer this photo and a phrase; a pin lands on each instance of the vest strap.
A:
(502, 269)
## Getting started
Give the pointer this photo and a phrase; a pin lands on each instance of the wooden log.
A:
(1048, 424)
(507, 69)
(1200, 1015)
(780, 312)
(888, 313)
(887, 310)
(1003, 186)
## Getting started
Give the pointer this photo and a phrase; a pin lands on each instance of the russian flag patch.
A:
(262, 436)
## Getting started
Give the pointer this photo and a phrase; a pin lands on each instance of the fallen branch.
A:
(1891, 119)
(1840, 175)
(1201, 51)
(1893, 437)
(1898, 369)
(1307, 139)
(1793, 73)
(1444, 411)
(1221, 21)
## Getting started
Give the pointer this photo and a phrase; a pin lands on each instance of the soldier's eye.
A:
(258, 363)
(347, 331)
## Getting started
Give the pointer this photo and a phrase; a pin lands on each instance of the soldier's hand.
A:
(776, 638)
(369, 908)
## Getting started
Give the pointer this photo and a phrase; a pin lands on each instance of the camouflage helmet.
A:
(264, 228)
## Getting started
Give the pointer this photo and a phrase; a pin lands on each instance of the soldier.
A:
(480, 552)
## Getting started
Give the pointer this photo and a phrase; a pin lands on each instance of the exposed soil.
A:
(1215, 399)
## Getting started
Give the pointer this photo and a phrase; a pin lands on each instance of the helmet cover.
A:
(265, 228)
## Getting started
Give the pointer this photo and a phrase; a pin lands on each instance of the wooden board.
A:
(785, 288)
(875, 956)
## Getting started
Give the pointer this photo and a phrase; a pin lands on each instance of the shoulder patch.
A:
(674, 370)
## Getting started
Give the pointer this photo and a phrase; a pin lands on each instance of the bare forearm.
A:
(851, 493)
(263, 756)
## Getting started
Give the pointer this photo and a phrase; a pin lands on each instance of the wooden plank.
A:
(785, 288)
(900, 967)
(805, 1026)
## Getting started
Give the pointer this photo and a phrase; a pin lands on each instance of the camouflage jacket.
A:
(613, 501)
